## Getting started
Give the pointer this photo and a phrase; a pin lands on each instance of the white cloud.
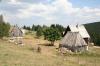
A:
(45, 10)
(54, 12)
(36, 10)
(64, 4)
(14, 2)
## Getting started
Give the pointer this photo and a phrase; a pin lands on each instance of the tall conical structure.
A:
(73, 41)
(1, 18)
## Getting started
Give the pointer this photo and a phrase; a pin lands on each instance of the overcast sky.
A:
(64, 12)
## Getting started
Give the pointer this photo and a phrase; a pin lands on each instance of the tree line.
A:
(51, 33)
(4, 29)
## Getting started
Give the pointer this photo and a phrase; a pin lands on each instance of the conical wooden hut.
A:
(73, 41)
(16, 34)
(81, 29)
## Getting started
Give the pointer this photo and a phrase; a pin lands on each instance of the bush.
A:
(52, 35)
(39, 32)
(4, 29)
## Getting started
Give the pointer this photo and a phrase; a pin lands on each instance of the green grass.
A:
(17, 55)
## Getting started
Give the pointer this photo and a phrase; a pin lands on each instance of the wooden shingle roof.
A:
(79, 28)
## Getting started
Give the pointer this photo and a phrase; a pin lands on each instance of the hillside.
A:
(94, 31)
(18, 55)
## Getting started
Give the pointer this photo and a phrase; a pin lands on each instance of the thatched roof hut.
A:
(81, 29)
(16, 35)
(15, 31)
(73, 41)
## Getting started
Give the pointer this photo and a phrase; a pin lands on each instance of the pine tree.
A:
(52, 35)
(4, 29)
(39, 32)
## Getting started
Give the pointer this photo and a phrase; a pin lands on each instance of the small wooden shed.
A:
(73, 41)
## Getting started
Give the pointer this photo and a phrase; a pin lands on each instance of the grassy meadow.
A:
(18, 55)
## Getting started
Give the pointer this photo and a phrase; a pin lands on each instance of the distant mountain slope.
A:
(94, 31)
